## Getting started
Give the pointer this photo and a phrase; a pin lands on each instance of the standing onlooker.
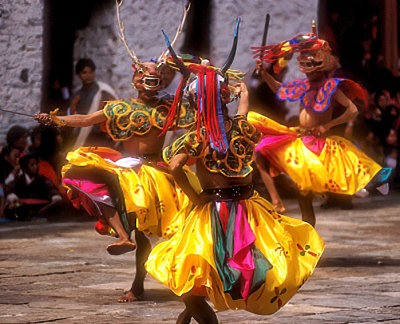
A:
(87, 99)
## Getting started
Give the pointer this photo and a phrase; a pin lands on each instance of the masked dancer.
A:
(317, 163)
(233, 248)
(133, 191)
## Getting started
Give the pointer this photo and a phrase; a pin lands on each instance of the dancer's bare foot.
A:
(121, 247)
(279, 206)
(185, 317)
(130, 297)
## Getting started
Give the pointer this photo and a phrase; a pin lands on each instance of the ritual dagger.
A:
(264, 39)
(17, 113)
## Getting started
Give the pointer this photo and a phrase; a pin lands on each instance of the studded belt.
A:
(230, 193)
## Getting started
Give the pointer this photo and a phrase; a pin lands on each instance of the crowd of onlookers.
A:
(30, 164)
(31, 160)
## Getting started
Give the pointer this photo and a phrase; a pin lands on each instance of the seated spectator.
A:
(2, 203)
(17, 136)
(389, 121)
(36, 135)
(30, 194)
(9, 167)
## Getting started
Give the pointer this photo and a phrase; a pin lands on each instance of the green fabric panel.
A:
(262, 265)
(228, 275)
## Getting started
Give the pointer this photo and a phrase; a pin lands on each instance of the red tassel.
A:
(169, 120)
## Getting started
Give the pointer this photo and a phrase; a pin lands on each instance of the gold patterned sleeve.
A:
(126, 118)
(188, 143)
(187, 116)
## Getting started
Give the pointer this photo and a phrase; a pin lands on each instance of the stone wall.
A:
(21, 34)
(143, 31)
(100, 40)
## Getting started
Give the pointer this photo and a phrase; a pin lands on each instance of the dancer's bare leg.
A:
(198, 308)
(262, 165)
(142, 253)
(306, 207)
(185, 317)
(124, 243)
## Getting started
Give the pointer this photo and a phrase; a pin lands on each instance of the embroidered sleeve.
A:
(187, 143)
(187, 116)
(123, 121)
(246, 128)
(126, 118)
(236, 162)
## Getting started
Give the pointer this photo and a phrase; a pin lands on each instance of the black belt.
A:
(308, 132)
(230, 193)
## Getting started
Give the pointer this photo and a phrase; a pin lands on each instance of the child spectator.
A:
(30, 193)
(36, 135)
(17, 136)
(9, 167)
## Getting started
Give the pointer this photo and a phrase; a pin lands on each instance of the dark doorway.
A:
(61, 21)
(197, 37)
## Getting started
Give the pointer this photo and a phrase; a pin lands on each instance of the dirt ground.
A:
(60, 272)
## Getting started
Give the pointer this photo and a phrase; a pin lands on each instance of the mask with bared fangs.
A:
(150, 76)
(317, 58)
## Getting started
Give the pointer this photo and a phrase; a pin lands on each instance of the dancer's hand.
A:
(260, 67)
(43, 118)
(241, 89)
(320, 130)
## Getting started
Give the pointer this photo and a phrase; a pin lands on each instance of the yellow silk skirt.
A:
(149, 193)
(187, 260)
(337, 166)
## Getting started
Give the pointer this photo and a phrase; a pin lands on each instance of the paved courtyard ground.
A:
(59, 272)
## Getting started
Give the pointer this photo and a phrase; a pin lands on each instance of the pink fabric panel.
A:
(314, 144)
(89, 187)
(242, 258)
(271, 142)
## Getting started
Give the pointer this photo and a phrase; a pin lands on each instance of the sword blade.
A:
(264, 38)
(16, 113)
(263, 42)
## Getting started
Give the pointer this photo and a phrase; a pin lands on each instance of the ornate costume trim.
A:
(126, 118)
(318, 99)
(236, 162)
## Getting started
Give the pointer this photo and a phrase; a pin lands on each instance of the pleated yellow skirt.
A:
(149, 192)
(331, 164)
(285, 250)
